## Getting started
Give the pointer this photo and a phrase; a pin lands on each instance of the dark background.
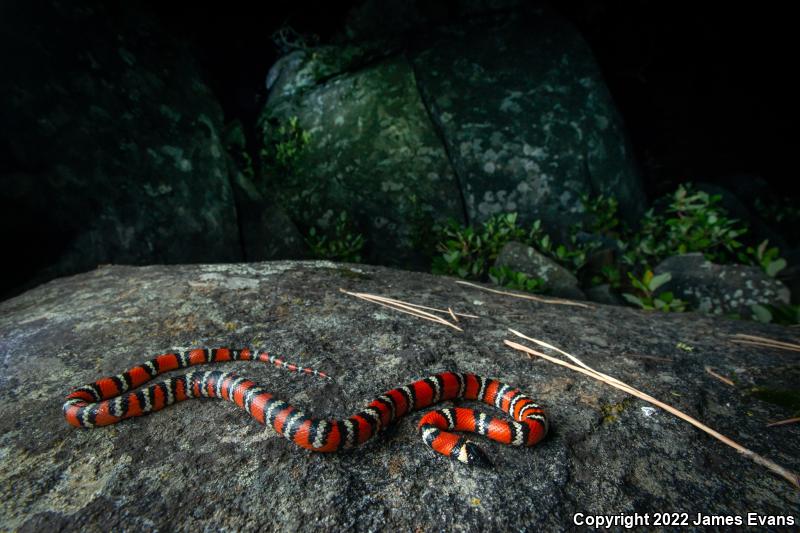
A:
(706, 90)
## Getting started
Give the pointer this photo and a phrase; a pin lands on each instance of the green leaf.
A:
(761, 313)
(636, 283)
(761, 249)
(545, 242)
(657, 281)
(775, 266)
(452, 257)
(635, 300)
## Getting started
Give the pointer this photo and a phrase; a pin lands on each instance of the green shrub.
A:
(515, 280)
(785, 314)
(646, 296)
(688, 221)
(602, 214)
(339, 243)
(692, 222)
(469, 252)
(608, 274)
(572, 257)
(284, 143)
(767, 258)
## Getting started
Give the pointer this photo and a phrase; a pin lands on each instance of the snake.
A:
(112, 399)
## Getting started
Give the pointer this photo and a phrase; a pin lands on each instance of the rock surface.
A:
(604, 294)
(558, 280)
(720, 289)
(372, 153)
(207, 465)
(527, 119)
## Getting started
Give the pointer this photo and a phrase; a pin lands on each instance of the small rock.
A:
(736, 208)
(523, 258)
(720, 289)
(604, 294)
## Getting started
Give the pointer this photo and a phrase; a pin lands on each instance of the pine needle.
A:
(403, 307)
(526, 296)
(741, 338)
(720, 377)
(452, 314)
(393, 301)
(766, 345)
(790, 476)
(784, 422)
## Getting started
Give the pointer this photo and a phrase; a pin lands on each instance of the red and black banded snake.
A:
(108, 401)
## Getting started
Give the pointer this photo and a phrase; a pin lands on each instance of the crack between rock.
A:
(588, 170)
(237, 208)
(437, 130)
(355, 68)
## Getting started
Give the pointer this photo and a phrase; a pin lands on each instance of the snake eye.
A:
(472, 455)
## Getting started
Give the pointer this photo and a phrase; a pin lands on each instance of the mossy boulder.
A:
(500, 112)
(528, 121)
(558, 281)
(721, 289)
(371, 152)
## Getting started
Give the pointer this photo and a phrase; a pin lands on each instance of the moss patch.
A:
(612, 411)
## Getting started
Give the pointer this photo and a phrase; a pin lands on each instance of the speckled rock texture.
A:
(558, 280)
(506, 111)
(373, 153)
(206, 465)
(721, 289)
(527, 119)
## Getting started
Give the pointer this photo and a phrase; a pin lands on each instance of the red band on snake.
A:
(108, 401)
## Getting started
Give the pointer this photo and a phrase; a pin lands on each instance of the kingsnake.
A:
(106, 402)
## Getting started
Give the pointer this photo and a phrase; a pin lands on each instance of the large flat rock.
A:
(205, 464)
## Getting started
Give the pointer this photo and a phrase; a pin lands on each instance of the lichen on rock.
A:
(165, 471)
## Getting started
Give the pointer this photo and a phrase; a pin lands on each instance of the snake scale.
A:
(112, 399)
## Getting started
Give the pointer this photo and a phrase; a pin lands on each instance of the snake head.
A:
(471, 454)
